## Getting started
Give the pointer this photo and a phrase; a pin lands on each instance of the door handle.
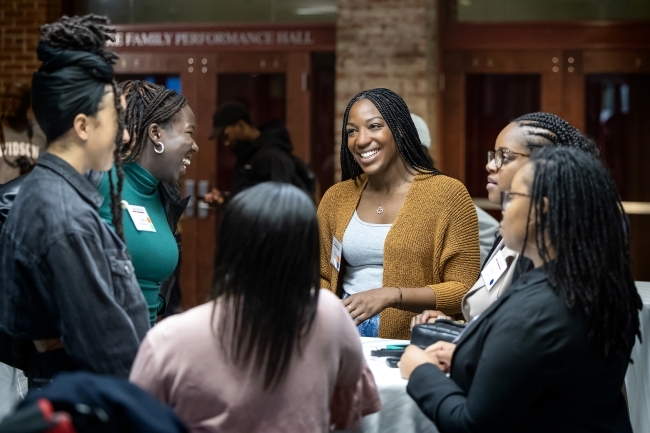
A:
(203, 208)
(189, 192)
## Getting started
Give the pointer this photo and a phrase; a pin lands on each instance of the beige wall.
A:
(387, 43)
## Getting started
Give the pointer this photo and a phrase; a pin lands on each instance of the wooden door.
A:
(601, 92)
(273, 86)
(516, 81)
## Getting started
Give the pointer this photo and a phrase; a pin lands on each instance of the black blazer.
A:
(525, 365)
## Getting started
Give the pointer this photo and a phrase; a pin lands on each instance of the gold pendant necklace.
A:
(380, 209)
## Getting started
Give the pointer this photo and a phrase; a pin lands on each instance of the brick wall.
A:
(387, 43)
(19, 35)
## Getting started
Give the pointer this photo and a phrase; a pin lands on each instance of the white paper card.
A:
(337, 250)
(140, 218)
(494, 270)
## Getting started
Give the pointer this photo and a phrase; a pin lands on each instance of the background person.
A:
(67, 285)
(512, 149)
(271, 352)
(21, 139)
(551, 354)
(487, 226)
(263, 154)
(409, 234)
(161, 126)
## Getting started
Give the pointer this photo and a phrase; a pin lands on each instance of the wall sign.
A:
(244, 37)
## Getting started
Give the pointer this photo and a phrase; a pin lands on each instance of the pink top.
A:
(182, 363)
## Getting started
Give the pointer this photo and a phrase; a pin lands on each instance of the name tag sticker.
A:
(140, 218)
(494, 270)
(337, 249)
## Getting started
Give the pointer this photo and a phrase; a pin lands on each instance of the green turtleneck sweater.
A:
(154, 254)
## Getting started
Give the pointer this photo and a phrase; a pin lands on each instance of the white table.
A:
(637, 379)
(399, 413)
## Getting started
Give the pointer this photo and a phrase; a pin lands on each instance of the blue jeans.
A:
(369, 328)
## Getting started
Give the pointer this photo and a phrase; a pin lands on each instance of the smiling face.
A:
(178, 137)
(370, 140)
(511, 142)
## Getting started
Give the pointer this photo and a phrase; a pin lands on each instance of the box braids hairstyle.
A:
(546, 129)
(90, 33)
(146, 103)
(587, 228)
(396, 113)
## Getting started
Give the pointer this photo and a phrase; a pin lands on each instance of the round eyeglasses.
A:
(506, 198)
(498, 155)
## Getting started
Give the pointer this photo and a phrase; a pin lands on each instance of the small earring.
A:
(162, 148)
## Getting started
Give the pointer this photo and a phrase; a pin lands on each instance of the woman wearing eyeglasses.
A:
(512, 150)
(551, 354)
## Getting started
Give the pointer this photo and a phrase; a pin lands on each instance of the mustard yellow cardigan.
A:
(433, 242)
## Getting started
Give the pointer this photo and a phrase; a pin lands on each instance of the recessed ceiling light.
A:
(317, 10)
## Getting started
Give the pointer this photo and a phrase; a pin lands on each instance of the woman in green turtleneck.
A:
(161, 126)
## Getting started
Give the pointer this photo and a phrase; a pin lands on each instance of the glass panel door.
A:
(264, 95)
(617, 116)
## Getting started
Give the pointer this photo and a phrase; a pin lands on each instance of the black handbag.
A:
(425, 334)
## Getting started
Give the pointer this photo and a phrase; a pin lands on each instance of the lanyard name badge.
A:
(335, 259)
(140, 218)
(494, 270)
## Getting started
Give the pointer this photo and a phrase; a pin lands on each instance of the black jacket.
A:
(268, 158)
(65, 273)
(171, 200)
(525, 365)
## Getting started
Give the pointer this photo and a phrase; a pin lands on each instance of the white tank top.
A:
(363, 251)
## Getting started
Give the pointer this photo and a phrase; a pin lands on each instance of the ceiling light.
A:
(317, 10)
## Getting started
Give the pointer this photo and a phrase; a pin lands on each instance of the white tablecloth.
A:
(399, 413)
(637, 379)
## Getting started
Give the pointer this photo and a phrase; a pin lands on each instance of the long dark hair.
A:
(146, 103)
(398, 118)
(589, 232)
(266, 276)
(90, 33)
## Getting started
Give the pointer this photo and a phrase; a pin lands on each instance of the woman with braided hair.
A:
(161, 128)
(67, 286)
(396, 235)
(512, 149)
(551, 354)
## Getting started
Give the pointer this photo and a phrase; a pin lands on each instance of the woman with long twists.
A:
(161, 129)
(397, 236)
(551, 354)
(67, 285)
(512, 149)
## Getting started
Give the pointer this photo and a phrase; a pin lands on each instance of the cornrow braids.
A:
(396, 113)
(146, 103)
(85, 33)
(585, 225)
(546, 129)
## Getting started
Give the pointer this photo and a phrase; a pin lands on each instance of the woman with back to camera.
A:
(271, 351)
(67, 285)
(512, 149)
(161, 126)
(408, 233)
(552, 352)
